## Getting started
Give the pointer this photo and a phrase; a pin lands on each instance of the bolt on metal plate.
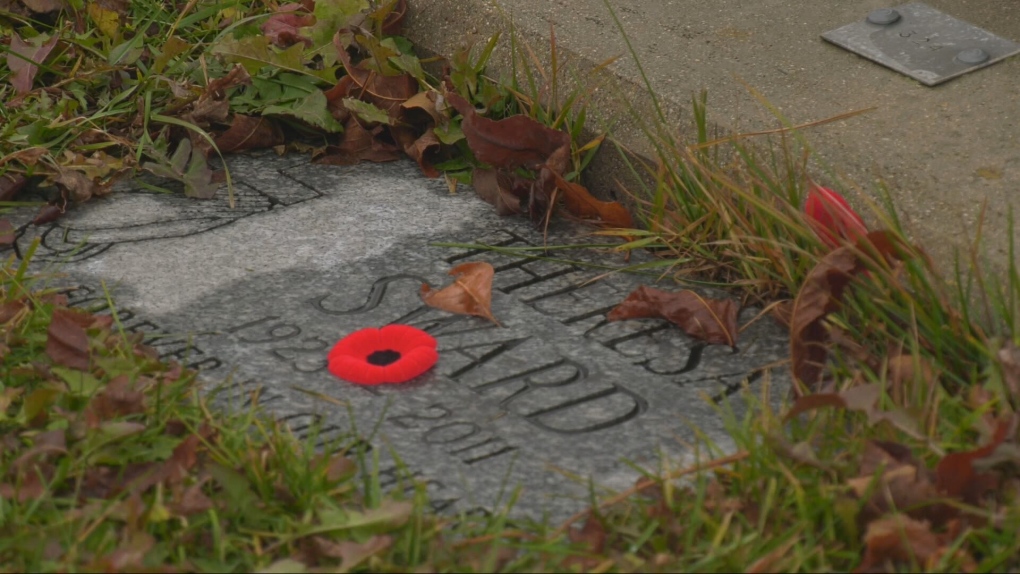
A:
(921, 42)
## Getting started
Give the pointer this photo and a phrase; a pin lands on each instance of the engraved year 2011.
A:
(305, 355)
(462, 439)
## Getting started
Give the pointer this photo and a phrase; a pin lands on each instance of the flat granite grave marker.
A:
(257, 295)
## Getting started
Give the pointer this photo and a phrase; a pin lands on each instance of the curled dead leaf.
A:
(517, 141)
(821, 294)
(385, 92)
(470, 293)
(66, 341)
(579, 202)
(711, 320)
(247, 132)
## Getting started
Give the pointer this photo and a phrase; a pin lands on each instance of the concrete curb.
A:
(942, 152)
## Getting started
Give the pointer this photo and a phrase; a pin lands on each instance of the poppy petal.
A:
(408, 350)
(832, 218)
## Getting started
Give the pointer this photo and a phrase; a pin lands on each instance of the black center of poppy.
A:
(383, 358)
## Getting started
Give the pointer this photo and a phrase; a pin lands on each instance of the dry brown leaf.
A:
(75, 185)
(248, 132)
(580, 202)
(385, 92)
(821, 294)
(517, 141)
(66, 341)
(955, 474)
(504, 190)
(359, 145)
(23, 61)
(470, 293)
(711, 320)
(899, 540)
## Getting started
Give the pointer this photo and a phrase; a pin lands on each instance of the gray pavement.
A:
(256, 296)
(942, 151)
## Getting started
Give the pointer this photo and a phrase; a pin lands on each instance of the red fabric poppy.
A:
(832, 218)
(392, 354)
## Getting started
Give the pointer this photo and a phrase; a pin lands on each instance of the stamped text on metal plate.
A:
(921, 42)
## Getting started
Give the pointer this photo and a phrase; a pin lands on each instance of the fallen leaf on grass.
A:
(66, 341)
(955, 474)
(899, 540)
(821, 294)
(284, 27)
(118, 398)
(349, 552)
(470, 293)
(190, 501)
(860, 398)
(23, 59)
(897, 481)
(711, 320)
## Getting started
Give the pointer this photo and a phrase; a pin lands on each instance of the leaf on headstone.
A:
(860, 398)
(66, 341)
(711, 320)
(10, 185)
(48, 214)
(247, 132)
(469, 294)
(74, 184)
(821, 294)
(385, 92)
(23, 59)
(359, 144)
(517, 141)
(580, 203)
(505, 190)
(189, 167)
(7, 234)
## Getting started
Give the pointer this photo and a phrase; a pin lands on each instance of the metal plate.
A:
(923, 43)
